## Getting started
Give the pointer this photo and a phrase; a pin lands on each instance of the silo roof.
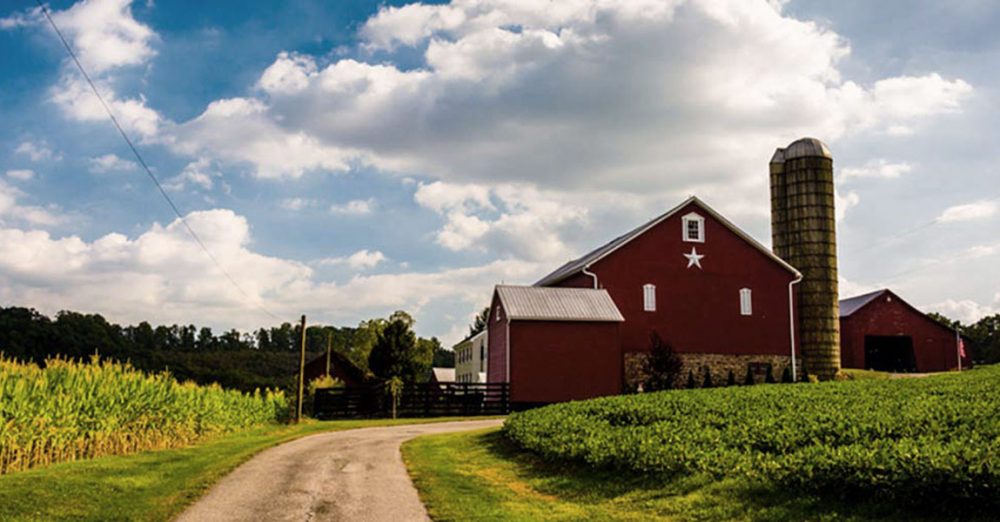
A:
(805, 147)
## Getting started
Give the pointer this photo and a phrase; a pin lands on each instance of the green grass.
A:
(864, 375)
(481, 476)
(150, 486)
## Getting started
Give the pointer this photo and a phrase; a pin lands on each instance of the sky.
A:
(347, 159)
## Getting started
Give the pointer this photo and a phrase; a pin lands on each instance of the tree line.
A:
(983, 336)
(264, 358)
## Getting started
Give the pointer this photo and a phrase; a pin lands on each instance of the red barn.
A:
(717, 296)
(880, 331)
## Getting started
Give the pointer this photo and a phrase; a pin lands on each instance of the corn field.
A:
(72, 410)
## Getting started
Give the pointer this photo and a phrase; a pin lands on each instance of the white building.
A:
(470, 359)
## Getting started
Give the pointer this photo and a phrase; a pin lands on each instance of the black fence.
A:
(415, 400)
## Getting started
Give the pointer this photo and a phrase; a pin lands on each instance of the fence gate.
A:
(416, 400)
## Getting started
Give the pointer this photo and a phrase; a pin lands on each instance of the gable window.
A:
(498, 314)
(649, 297)
(693, 228)
(746, 302)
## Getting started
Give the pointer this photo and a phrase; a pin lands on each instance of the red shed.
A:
(880, 331)
(554, 344)
(718, 297)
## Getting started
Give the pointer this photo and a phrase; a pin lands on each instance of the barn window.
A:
(693, 228)
(649, 297)
(498, 314)
(746, 302)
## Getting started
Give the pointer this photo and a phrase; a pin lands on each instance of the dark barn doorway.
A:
(887, 353)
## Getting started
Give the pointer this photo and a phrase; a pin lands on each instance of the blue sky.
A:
(348, 159)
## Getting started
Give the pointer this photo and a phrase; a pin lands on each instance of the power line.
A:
(145, 167)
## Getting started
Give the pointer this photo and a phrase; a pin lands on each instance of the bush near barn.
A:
(72, 410)
(909, 440)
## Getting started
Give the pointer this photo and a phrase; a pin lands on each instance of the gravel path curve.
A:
(351, 475)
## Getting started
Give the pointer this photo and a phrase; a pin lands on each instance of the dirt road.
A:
(353, 475)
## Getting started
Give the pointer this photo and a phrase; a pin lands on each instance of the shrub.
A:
(662, 366)
(731, 379)
(769, 378)
(901, 440)
(707, 382)
(748, 379)
(786, 374)
(691, 384)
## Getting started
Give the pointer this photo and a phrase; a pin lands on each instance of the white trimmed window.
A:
(693, 228)
(498, 314)
(649, 297)
(746, 302)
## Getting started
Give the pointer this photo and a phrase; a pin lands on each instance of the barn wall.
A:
(698, 311)
(933, 344)
(496, 353)
(562, 361)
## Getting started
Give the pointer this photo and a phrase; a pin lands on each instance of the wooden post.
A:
(329, 346)
(302, 372)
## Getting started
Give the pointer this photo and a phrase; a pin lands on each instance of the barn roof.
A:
(443, 374)
(853, 304)
(537, 303)
(577, 265)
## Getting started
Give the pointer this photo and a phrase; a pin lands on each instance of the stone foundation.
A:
(719, 365)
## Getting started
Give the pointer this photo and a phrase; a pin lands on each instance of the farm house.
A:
(880, 331)
(721, 299)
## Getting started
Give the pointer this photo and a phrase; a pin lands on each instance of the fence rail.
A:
(416, 400)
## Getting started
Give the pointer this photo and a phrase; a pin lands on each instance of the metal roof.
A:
(537, 303)
(444, 374)
(805, 147)
(853, 304)
(577, 265)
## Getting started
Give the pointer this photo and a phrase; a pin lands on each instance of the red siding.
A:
(933, 344)
(563, 361)
(697, 310)
(496, 347)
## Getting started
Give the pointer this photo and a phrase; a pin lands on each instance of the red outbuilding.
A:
(722, 300)
(880, 331)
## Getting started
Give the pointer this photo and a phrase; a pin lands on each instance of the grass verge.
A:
(481, 476)
(150, 486)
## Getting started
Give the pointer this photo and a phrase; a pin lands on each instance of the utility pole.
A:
(329, 346)
(302, 372)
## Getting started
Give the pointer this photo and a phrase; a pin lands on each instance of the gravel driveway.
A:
(352, 475)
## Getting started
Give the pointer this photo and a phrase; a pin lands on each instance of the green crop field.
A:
(933, 440)
(72, 410)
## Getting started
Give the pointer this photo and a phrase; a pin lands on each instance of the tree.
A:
(662, 366)
(443, 357)
(480, 322)
(397, 354)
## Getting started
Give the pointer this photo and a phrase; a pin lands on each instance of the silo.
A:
(804, 233)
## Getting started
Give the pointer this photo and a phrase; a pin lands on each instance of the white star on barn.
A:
(694, 258)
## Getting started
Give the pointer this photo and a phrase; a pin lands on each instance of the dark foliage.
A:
(480, 322)
(748, 379)
(786, 374)
(707, 382)
(731, 379)
(266, 358)
(691, 384)
(769, 377)
(662, 367)
(398, 354)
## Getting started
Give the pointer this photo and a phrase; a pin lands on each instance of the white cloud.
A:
(21, 174)
(878, 168)
(511, 220)
(288, 74)
(163, 275)
(965, 310)
(974, 211)
(296, 204)
(111, 163)
(13, 212)
(37, 151)
(199, 173)
(356, 207)
(362, 259)
(845, 201)
(105, 35)
(576, 96)
(238, 130)
(77, 101)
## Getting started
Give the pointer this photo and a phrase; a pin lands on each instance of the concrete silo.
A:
(804, 233)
